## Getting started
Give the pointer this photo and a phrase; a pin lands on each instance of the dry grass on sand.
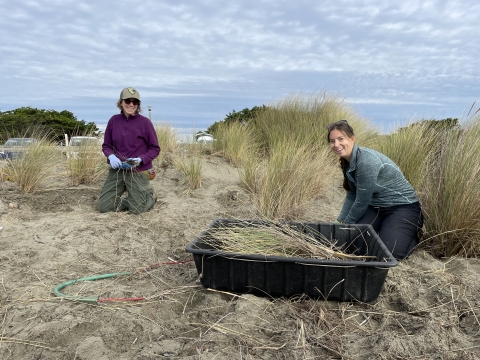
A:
(428, 308)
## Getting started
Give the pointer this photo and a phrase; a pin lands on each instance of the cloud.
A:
(240, 53)
(386, 101)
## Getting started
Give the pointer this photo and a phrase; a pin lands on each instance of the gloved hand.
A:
(115, 162)
(338, 222)
(130, 163)
(125, 166)
(134, 161)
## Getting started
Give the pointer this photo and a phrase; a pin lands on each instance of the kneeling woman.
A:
(130, 144)
(377, 192)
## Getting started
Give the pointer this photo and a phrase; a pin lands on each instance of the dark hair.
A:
(341, 125)
(344, 127)
(139, 108)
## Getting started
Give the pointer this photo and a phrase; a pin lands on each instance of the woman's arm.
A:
(107, 146)
(366, 175)
(347, 205)
(151, 140)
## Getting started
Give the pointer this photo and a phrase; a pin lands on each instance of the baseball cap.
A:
(130, 93)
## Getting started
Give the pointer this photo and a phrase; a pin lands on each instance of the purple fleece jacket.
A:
(131, 137)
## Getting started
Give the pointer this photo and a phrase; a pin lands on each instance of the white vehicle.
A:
(84, 141)
(84, 144)
(203, 137)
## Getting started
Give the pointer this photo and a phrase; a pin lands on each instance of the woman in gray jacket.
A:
(377, 192)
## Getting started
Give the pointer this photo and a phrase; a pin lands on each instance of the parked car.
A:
(84, 141)
(15, 147)
(81, 144)
(203, 137)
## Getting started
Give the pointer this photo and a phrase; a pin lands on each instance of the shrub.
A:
(244, 116)
(189, 162)
(33, 122)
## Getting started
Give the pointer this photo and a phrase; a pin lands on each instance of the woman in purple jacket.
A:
(130, 144)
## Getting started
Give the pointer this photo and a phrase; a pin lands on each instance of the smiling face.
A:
(341, 144)
(130, 106)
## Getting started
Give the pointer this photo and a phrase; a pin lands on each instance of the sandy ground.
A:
(428, 308)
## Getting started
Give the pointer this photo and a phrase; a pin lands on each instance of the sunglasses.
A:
(129, 101)
(340, 122)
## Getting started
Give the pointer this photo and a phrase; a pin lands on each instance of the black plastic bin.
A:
(340, 280)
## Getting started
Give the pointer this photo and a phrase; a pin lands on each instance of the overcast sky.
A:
(196, 61)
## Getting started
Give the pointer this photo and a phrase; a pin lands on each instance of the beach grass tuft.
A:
(33, 164)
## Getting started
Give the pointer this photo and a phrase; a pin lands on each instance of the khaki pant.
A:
(139, 198)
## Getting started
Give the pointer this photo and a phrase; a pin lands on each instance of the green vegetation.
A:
(440, 125)
(189, 162)
(236, 142)
(411, 148)
(450, 191)
(282, 153)
(28, 121)
(190, 165)
(243, 117)
(33, 165)
(85, 164)
(167, 139)
(303, 120)
(440, 159)
(285, 163)
(289, 179)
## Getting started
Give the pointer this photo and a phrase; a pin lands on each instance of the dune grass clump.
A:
(236, 142)
(289, 179)
(85, 163)
(450, 193)
(168, 141)
(249, 171)
(87, 168)
(442, 165)
(304, 119)
(33, 164)
(275, 239)
(190, 165)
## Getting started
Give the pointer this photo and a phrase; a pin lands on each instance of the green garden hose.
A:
(89, 300)
(96, 300)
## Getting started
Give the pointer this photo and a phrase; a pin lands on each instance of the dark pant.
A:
(139, 198)
(398, 226)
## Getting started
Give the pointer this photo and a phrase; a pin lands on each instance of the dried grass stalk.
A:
(277, 239)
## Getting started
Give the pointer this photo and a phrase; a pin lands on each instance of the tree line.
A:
(32, 122)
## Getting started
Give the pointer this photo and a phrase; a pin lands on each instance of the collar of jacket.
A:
(131, 117)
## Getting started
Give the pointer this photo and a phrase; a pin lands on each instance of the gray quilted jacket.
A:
(374, 180)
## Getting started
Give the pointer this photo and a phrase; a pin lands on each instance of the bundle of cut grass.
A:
(277, 239)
